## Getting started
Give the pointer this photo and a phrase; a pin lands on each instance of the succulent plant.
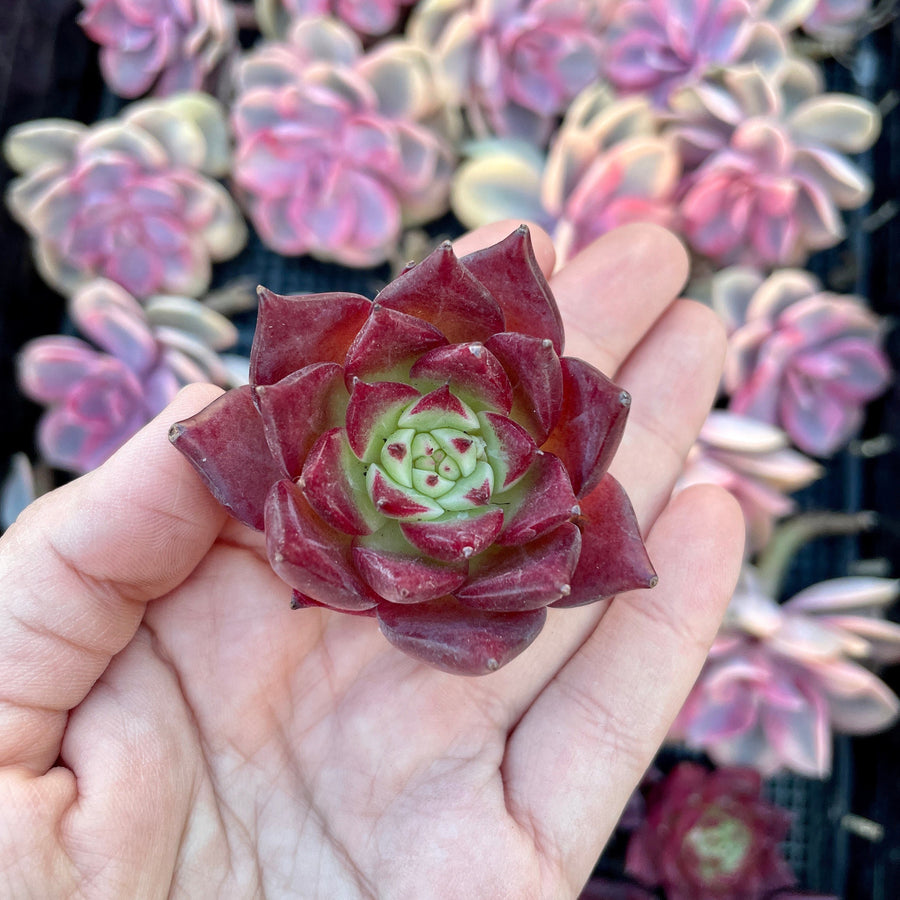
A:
(98, 399)
(129, 199)
(430, 458)
(372, 18)
(166, 45)
(765, 170)
(837, 21)
(781, 678)
(755, 462)
(710, 835)
(336, 149)
(513, 65)
(799, 357)
(653, 47)
(607, 166)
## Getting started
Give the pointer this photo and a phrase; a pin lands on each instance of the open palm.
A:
(168, 727)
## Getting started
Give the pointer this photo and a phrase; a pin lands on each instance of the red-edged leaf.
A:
(510, 271)
(541, 501)
(613, 557)
(510, 448)
(399, 502)
(225, 443)
(294, 331)
(297, 409)
(471, 371)
(524, 577)
(388, 341)
(334, 482)
(535, 373)
(402, 578)
(372, 415)
(301, 601)
(456, 638)
(439, 409)
(309, 555)
(591, 422)
(458, 535)
(442, 291)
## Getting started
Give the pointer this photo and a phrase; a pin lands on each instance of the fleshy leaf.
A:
(456, 535)
(458, 640)
(301, 601)
(397, 501)
(510, 448)
(372, 414)
(439, 409)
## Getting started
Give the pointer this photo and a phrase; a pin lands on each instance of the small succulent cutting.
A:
(429, 458)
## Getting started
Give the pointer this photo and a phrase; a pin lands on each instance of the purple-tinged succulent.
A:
(166, 45)
(765, 170)
(654, 47)
(607, 166)
(780, 679)
(799, 357)
(429, 459)
(98, 399)
(513, 65)
(837, 21)
(129, 199)
(711, 835)
(369, 19)
(337, 150)
(754, 461)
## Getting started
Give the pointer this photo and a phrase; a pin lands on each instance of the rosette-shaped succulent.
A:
(765, 170)
(98, 399)
(654, 47)
(129, 199)
(799, 357)
(167, 45)
(429, 458)
(607, 166)
(781, 678)
(371, 18)
(710, 835)
(837, 21)
(336, 149)
(755, 462)
(513, 65)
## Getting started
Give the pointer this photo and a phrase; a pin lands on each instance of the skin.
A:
(168, 727)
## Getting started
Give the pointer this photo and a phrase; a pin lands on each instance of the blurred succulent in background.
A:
(337, 150)
(799, 357)
(166, 45)
(129, 199)
(765, 170)
(654, 47)
(710, 835)
(781, 678)
(98, 399)
(512, 65)
(369, 18)
(607, 166)
(755, 462)
(837, 21)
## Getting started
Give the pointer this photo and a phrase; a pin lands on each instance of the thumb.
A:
(77, 569)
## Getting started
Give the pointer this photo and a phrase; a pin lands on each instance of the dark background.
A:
(48, 68)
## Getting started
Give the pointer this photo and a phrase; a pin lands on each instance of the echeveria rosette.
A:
(711, 835)
(370, 19)
(799, 357)
(429, 458)
(166, 45)
(336, 149)
(132, 199)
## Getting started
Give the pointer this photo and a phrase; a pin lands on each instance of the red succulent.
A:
(429, 458)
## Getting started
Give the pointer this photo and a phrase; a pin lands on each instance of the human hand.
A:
(169, 727)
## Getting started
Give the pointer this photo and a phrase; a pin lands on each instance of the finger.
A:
(612, 292)
(599, 722)
(496, 231)
(78, 567)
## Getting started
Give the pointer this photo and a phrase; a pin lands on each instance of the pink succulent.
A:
(780, 679)
(371, 18)
(799, 357)
(514, 65)
(655, 47)
(128, 199)
(837, 21)
(752, 460)
(98, 399)
(710, 835)
(337, 150)
(429, 458)
(607, 166)
(167, 45)
(765, 171)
